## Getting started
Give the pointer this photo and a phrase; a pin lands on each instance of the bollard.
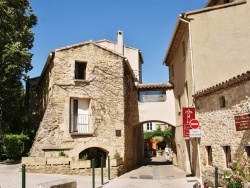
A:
(93, 173)
(109, 167)
(102, 170)
(23, 175)
(216, 177)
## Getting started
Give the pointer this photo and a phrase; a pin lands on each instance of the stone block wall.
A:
(109, 88)
(218, 125)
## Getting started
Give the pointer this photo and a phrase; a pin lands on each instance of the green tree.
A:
(16, 39)
(167, 133)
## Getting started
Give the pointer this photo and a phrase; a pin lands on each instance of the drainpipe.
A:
(191, 54)
(193, 83)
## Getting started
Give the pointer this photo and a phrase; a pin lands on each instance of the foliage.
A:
(117, 155)
(16, 39)
(13, 145)
(84, 157)
(240, 172)
(167, 133)
(62, 154)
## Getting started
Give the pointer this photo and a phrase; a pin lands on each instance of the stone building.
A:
(208, 46)
(85, 103)
(223, 139)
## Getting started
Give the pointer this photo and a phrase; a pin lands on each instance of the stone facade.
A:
(218, 125)
(112, 110)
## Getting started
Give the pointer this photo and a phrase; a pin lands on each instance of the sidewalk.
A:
(155, 173)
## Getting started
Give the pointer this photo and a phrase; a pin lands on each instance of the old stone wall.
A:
(218, 125)
(105, 87)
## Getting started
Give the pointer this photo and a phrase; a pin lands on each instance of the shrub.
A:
(13, 145)
(117, 155)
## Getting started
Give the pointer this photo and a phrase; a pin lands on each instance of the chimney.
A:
(120, 42)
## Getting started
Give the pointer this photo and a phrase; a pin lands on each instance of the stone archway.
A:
(96, 154)
(170, 143)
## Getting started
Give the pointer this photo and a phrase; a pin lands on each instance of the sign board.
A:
(152, 96)
(194, 124)
(242, 122)
(188, 113)
(193, 133)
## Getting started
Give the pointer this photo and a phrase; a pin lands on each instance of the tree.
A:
(16, 39)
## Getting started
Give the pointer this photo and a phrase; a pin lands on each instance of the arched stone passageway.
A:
(94, 153)
(151, 147)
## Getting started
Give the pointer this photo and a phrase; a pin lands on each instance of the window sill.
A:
(82, 134)
(80, 80)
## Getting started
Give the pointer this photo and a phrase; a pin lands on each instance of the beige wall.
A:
(220, 42)
(158, 111)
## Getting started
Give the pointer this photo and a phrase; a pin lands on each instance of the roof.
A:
(181, 26)
(108, 41)
(155, 86)
(244, 77)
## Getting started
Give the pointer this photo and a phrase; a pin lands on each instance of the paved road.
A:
(156, 173)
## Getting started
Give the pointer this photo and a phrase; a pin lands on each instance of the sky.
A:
(147, 25)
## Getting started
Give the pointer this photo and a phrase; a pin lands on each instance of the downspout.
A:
(191, 54)
(193, 85)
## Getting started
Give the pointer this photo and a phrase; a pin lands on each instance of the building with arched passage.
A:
(89, 103)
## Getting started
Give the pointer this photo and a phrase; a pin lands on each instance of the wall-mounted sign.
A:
(152, 96)
(188, 113)
(242, 122)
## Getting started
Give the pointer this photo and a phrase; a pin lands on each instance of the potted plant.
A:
(117, 159)
(83, 162)
(62, 158)
(227, 174)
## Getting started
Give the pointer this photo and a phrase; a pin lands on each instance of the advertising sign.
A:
(188, 113)
(242, 122)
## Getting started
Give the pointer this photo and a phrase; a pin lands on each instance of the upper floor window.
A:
(227, 151)
(183, 49)
(149, 126)
(209, 155)
(172, 70)
(222, 101)
(79, 113)
(80, 70)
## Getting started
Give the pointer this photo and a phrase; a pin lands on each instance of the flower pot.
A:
(116, 162)
(80, 164)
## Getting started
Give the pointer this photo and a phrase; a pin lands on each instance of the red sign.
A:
(187, 115)
(194, 124)
(242, 122)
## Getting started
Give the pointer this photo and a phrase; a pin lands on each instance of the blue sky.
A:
(146, 24)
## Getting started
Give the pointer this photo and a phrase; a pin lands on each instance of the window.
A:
(209, 155)
(183, 49)
(79, 115)
(172, 70)
(247, 149)
(222, 101)
(149, 126)
(179, 102)
(227, 152)
(80, 70)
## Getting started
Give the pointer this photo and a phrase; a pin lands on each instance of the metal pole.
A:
(102, 170)
(93, 173)
(23, 175)
(109, 167)
(216, 177)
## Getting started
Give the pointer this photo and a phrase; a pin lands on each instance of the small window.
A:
(247, 149)
(179, 101)
(209, 155)
(227, 152)
(222, 101)
(172, 70)
(149, 126)
(80, 70)
(183, 49)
